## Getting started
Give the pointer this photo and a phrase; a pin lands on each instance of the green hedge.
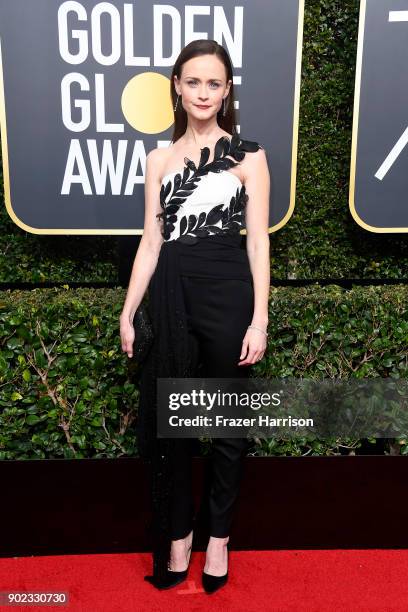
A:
(321, 240)
(67, 389)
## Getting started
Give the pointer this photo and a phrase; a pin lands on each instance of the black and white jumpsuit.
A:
(201, 302)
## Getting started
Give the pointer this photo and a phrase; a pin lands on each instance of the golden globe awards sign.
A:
(85, 96)
(378, 178)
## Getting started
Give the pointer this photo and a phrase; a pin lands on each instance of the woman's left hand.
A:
(253, 347)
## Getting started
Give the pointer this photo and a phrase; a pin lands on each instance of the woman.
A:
(208, 297)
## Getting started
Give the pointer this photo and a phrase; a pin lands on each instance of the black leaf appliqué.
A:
(227, 154)
(232, 218)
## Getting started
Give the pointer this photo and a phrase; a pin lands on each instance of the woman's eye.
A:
(195, 83)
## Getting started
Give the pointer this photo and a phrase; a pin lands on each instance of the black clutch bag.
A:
(144, 335)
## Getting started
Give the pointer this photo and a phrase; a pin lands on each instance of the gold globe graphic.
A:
(146, 103)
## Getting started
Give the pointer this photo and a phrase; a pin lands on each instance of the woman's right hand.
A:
(127, 336)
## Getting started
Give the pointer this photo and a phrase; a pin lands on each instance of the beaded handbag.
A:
(144, 334)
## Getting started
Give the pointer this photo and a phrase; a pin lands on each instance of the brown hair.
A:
(194, 49)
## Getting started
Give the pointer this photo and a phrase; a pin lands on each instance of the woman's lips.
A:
(201, 106)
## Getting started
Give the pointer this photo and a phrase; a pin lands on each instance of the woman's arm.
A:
(257, 184)
(147, 254)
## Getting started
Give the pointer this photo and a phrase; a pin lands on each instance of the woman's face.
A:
(202, 83)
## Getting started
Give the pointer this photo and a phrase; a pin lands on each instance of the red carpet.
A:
(322, 580)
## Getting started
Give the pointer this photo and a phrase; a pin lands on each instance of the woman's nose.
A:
(203, 94)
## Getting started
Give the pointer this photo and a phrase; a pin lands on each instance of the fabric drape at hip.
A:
(168, 357)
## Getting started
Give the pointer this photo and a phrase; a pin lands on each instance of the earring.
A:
(223, 112)
(175, 107)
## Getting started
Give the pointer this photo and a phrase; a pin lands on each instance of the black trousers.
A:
(218, 314)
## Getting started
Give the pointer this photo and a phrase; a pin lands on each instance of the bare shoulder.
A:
(155, 155)
(156, 160)
(255, 162)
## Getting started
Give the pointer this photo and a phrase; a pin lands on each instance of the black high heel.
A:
(171, 578)
(213, 583)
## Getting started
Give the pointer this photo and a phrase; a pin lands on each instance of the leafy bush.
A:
(67, 389)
